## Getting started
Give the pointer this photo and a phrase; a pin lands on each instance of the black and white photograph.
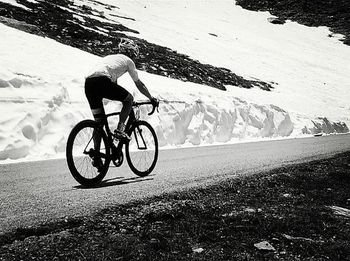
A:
(175, 130)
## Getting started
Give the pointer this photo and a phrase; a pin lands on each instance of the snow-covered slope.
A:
(310, 68)
(41, 81)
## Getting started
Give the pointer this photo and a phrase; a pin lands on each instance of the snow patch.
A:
(14, 2)
(325, 126)
(201, 123)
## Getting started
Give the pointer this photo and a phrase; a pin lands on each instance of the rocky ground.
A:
(299, 212)
(58, 19)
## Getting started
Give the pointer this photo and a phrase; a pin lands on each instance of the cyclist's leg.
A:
(94, 93)
(118, 93)
(98, 114)
(124, 113)
(92, 87)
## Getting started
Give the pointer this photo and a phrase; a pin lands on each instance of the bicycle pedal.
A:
(121, 136)
(118, 159)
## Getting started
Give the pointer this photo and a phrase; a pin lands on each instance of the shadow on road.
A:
(117, 181)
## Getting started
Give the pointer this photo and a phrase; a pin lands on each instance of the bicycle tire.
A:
(146, 152)
(78, 153)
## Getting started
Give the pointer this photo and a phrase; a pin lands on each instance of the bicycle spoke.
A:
(82, 151)
(81, 162)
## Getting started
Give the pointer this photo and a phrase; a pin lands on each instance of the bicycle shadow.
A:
(117, 181)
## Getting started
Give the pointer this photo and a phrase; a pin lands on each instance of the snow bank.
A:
(324, 126)
(201, 123)
(42, 132)
(41, 94)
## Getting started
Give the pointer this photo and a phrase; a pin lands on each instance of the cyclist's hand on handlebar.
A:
(154, 102)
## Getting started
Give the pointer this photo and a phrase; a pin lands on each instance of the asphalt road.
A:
(37, 192)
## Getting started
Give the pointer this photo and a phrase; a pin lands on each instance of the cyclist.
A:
(101, 82)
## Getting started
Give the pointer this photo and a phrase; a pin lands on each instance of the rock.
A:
(29, 132)
(305, 239)
(264, 246)
(4, 84)
(16, 82)
(64, 234)
(276, 20)
(159, 243)
(339, 211)
(123, 231)
(23, 26)
(296, 238)
(198, 250)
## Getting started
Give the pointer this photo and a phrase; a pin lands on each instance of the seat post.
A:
(108, 131)
(130, 120)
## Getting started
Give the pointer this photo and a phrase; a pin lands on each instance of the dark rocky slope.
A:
(332, 13)
(59, 20)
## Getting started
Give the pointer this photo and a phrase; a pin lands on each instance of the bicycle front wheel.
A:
(88, 153)
(142, 150)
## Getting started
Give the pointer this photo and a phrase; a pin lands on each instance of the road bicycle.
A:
(89, 140)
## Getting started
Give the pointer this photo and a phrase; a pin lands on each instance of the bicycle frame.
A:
(144, 147)
(130, 121)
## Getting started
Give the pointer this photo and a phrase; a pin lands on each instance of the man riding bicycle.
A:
(101, 82)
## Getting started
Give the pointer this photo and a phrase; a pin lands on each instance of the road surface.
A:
(37, 192)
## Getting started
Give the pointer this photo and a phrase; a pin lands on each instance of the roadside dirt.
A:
(299, 212)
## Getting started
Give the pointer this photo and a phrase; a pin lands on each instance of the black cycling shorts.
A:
(97, 88)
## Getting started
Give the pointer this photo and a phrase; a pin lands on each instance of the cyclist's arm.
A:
(140, 85)
(143, 89)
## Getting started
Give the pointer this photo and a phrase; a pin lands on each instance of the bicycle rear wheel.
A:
(142, 150)
(81, 152)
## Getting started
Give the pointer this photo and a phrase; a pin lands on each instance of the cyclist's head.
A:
(129, 48)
